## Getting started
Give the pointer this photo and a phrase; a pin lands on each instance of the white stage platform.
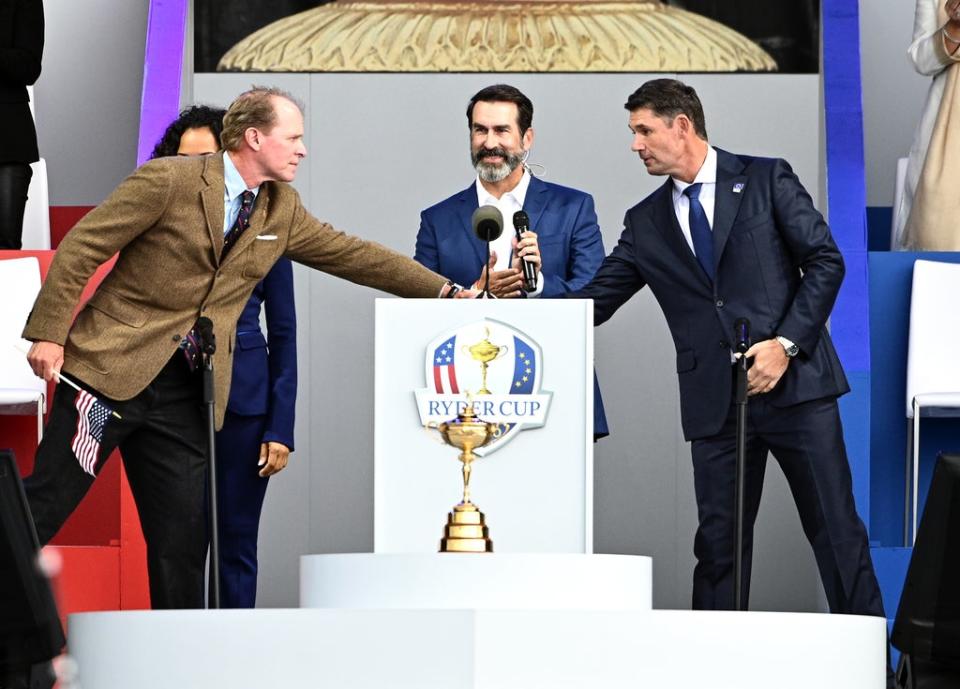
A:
(476, 649)
(504, 581)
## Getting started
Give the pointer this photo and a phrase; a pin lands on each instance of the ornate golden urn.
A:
(496, 36)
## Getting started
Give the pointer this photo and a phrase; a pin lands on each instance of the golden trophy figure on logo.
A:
(466, 530)
(485, 352)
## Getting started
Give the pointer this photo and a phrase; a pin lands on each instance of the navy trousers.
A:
(240, 493)
(807, 441)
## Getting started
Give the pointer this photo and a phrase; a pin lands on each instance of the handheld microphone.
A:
(487, 223)
(208, 341)
(741, 334)
(521, 223)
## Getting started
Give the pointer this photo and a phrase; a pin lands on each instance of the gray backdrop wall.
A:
(88, 96)
(383, 147)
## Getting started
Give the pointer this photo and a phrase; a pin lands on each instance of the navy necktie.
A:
(700, 230)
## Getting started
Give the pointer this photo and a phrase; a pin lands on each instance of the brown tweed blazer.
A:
(166, 221)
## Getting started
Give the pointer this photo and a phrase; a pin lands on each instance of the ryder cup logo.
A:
(492, 366)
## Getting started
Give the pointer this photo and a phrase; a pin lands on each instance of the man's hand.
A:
(770, 361)
(527, 249)
(504, 284)
(45, 358)
(273, 458)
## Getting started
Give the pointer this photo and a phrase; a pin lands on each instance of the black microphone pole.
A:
(521, 224)
(208, 347)
(741, 334)
(486, 284)
(487, 224)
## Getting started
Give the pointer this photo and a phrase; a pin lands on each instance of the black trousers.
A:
(807, 441)
(14, 183)
(162, 439)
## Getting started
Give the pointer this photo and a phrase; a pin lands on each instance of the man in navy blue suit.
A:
(563, 243)
(729, 237)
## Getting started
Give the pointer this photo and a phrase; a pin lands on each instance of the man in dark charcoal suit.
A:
(728, 237)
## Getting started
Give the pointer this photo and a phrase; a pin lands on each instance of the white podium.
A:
(476, 649)
(534, 482)
(470, 581)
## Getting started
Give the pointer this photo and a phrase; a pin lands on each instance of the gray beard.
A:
(492, 173)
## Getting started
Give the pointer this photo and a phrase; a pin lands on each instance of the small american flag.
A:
(92, 415)
(444, 373)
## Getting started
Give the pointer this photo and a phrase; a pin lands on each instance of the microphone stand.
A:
(208, 347)
(486, 286)
(742, 335)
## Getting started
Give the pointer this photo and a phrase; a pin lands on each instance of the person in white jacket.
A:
(931, 52)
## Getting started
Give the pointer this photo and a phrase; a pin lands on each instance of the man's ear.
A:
(527, 140)
(252, 136)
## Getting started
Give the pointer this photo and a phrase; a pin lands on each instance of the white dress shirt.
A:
(707, 178)
(508, 204)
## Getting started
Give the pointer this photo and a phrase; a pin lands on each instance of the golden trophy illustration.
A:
(466, 530)
(485, 351)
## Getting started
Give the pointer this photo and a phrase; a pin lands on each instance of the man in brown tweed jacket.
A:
(168, 221)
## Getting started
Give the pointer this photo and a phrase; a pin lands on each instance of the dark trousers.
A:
(240, 493)
(807, 441)
(162, 439)
(14, 183)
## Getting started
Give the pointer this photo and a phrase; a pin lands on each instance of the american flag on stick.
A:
(92, 415)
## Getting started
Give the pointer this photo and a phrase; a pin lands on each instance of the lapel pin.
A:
(738, 187)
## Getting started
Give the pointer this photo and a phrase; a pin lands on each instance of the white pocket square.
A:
(267, 237)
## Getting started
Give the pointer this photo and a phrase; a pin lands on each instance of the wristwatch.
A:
(789, 348)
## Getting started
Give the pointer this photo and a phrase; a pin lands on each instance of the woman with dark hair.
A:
(263, 392)
(195, 132)
(21, 48)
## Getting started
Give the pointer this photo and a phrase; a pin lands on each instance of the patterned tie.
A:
(241, 224)
(190, 345)
(700, 230)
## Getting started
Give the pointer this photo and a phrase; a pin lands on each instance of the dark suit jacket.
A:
(776, 264)
(265, 369)
(21, 48)
(571, 247)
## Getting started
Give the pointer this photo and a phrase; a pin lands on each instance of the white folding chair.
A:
(21, 392)
(933, 365)
(36, 214)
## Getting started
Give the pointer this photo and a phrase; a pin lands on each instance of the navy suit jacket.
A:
(571, 247)
(265, 369)
(775, 263)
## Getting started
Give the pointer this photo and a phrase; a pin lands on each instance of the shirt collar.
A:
(232, 181)
(519, 192)
(706, 175)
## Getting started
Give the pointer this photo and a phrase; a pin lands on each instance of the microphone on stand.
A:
(208, 341)
(521, 224)
(487, 224)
